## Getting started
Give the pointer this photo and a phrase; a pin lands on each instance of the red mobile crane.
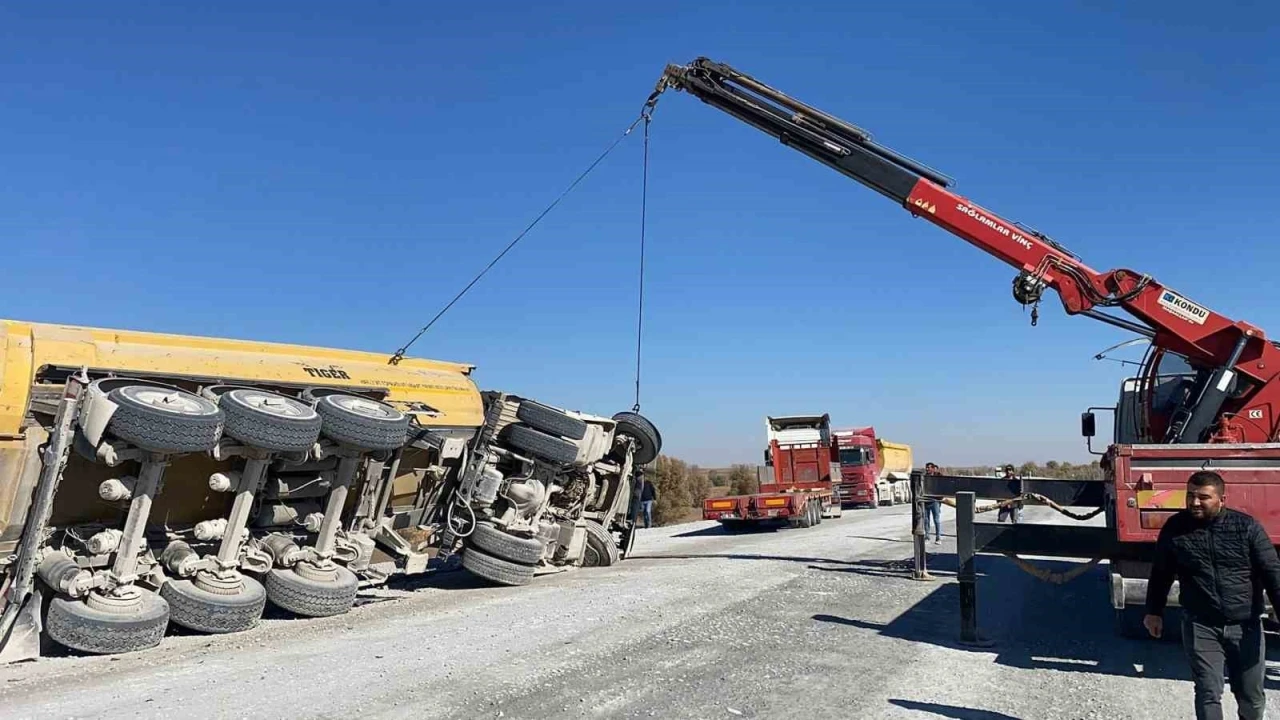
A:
(1206, 395)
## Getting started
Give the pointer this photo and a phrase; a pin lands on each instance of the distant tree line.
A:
(1051, 469)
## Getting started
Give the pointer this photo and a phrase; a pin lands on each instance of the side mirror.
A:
(1088, 425)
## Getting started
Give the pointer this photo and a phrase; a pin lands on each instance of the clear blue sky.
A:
(333, 173)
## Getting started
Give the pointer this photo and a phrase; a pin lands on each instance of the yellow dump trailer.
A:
(150, 479)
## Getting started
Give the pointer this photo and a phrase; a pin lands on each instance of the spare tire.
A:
(648, 439)
(551, 421)
(542, 445)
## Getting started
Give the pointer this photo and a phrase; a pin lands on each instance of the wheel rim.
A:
(364, 408)
(272, 404)
(173, 401)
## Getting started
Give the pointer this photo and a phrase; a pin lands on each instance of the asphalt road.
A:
(823, 622)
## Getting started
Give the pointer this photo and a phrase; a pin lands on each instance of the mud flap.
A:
(21, 641)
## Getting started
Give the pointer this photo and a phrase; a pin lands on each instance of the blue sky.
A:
(333, 173)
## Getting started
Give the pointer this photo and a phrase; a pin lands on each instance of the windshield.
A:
(854, 456)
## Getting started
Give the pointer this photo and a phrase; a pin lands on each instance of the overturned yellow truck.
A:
(149, 480)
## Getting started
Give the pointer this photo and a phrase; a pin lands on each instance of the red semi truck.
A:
(873, 471)
(802, 455)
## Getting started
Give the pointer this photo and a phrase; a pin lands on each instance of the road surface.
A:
(816, 623)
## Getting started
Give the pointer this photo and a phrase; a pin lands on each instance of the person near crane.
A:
(933, 509)
(1012, 511)
(1223, 561)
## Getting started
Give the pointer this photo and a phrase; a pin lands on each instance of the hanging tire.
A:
(362, 423)
(551, 421)
(300, 595)
(73, 624)
(541, 445)
(195, 608)
(602, 550)
(495, 569)
(648, 439)
(269, 421)
(164, 420)
(505, 546)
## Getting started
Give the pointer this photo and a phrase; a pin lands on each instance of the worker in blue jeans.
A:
(933, 509)
(648, 498)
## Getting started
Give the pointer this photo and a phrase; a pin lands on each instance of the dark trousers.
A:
(1241, 649)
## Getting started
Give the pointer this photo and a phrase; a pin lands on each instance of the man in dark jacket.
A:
(1223, 561)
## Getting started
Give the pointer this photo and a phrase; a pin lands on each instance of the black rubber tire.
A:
(551, 421)
(806, 517)
(648, 439)
(294, 428)
(378, 427)
(495, 569)
(602, 549)
(195, 608)
(290, 591)
(541, 445)
(73, 624)
(817, 512)
(505, 546)
(196, 428)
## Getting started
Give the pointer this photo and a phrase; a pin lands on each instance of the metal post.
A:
(921, 569)
(229, 550)
(135, 524)
(347, 467)
(965, 551)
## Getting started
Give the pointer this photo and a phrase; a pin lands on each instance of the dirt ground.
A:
(822, 622)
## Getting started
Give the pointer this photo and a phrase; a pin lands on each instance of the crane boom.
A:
(1236, 361)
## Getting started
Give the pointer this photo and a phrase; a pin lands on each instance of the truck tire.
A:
(362, 423)
(816, 509)
(495, 569)
(269, 421)
(505, 546)
(648, 439)
(162, 420)
(288, 590)
(805, 518)
(73, 624)
(542, 445)
(601, 551)
(551, 421)
(195, 608)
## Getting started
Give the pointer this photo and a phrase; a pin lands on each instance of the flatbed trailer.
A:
(800, 486)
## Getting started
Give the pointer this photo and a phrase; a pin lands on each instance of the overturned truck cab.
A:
(149, 479)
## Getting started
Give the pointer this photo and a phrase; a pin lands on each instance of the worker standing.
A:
(1012, 511)
(1223, 561)
(933, 509)
(648, 498)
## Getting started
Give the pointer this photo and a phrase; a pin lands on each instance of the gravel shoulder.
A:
(823, 622)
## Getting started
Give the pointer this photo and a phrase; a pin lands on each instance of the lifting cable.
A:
(644, 117)
(644, 201)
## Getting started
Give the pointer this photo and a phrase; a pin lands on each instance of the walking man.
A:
(933, 509)
(1223, 561)
(1013, 511)
(648, 498)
